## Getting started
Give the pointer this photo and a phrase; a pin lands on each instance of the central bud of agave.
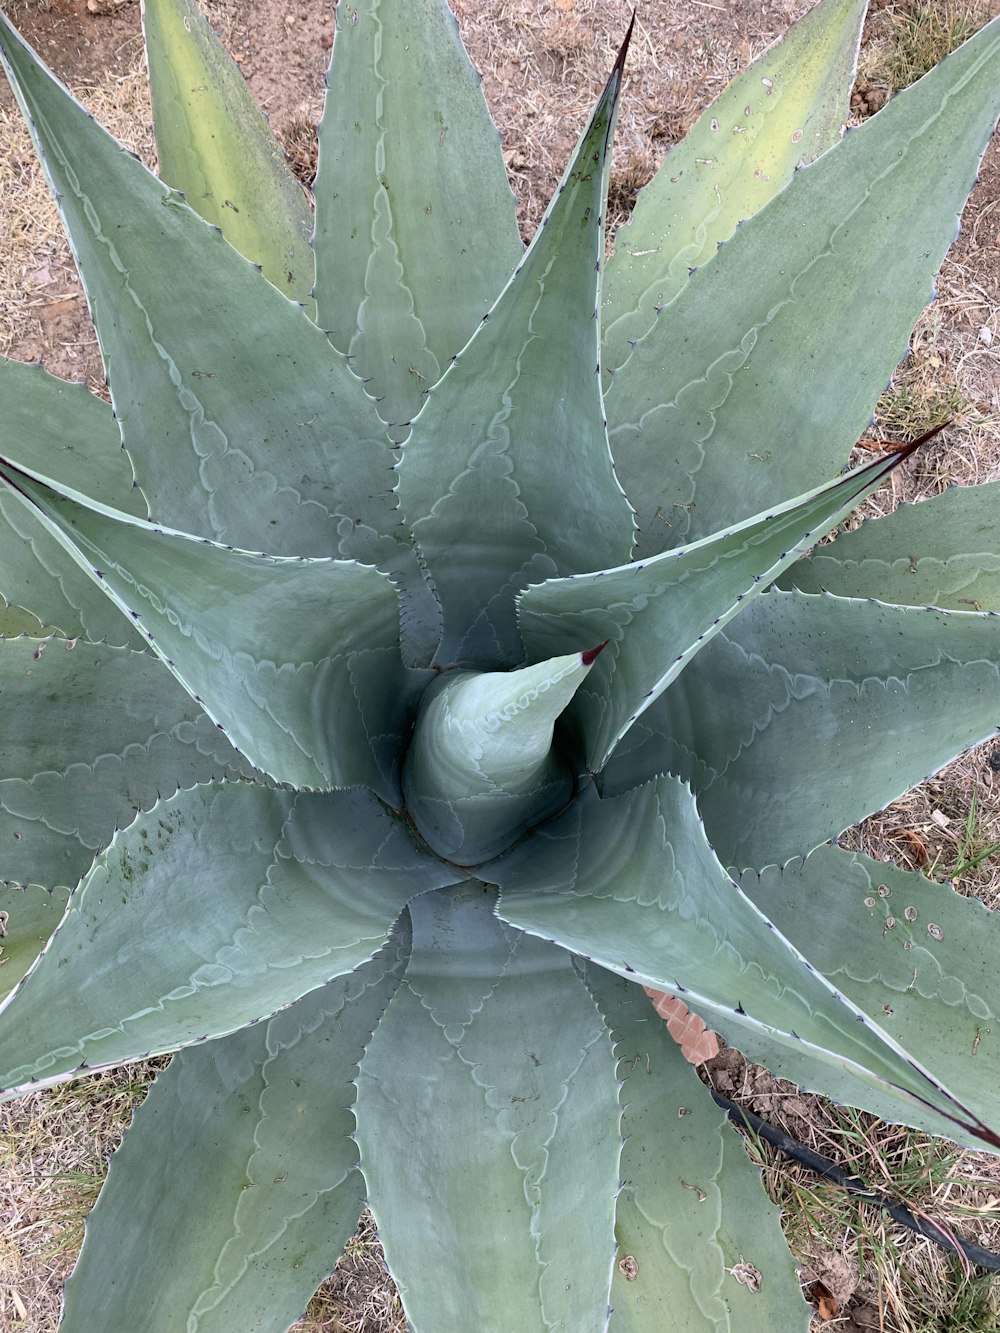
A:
(482, 766)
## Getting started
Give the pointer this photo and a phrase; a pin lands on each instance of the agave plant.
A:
(422, 654)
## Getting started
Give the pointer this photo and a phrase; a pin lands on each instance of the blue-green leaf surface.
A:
(222, 905)
(506, 477)
(242, 422)
(89, 737)
(633, 884)
(944, 551)
(415, 226)
(656, 615)
(739, 395)
(807, 713)
(918, 958)
(297, 661)
(237, 1184)
(28, 916)
(495, 1045)
(213, 143)
(787, 107)
(692, 1213)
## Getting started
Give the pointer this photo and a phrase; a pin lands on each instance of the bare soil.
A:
(542, 62)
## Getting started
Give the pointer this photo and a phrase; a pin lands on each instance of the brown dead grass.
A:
(542, 62)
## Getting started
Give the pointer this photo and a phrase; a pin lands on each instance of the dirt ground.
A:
(542, 61)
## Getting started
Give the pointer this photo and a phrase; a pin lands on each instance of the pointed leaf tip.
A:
(589, 657)
(619, 66)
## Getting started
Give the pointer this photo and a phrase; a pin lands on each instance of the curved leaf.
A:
(658, 614)
(481, 766)
(214, 1214)
(784, 109)
(213, 143)
(801, 690)
(944, 551)
(415, 225)
(219, 907)
(737, 396)
(514, 434)
(915, 956)
(296, 661)
(89, 737)
(692, 1213)
(633, 884)
(28, 916)
(242, 422)
(493, 1040)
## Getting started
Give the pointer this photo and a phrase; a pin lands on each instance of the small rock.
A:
(986, 336)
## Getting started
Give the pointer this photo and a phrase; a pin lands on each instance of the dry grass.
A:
(543, 61)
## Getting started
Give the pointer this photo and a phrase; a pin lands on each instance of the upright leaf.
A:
(296, 661)
(514, 434)
(222, 905)
(242, 422)
(786, 108)
(658, 614)
(737, 396)
(214, 145)
(495, 1041)
(212, 1142)
(415, 225)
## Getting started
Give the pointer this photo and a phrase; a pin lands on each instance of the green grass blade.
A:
(118, 732)
(691, 1209)
(657, 615)
(491, 1035)
(514, 434)
(213, 1211)
(786, 108)
(633, 884)
(223, 904)
(415, 225)
(737, 396)
(214, 145)
(944, 551)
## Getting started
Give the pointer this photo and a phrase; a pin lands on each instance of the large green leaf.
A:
(495, 1045)
(242, 422)
(65, 431)
(737, 397)
(29, 916)
(915, 956)
(658, 614)
(800, 691)
(506, 477)
(213, 143)
(692, 1218)
(60, 428)
(415, 225)
(237, 1184)
(220, 906)
(788, 106)
(296, 661)
(944, 551)
(633, 884)
(90, 735)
